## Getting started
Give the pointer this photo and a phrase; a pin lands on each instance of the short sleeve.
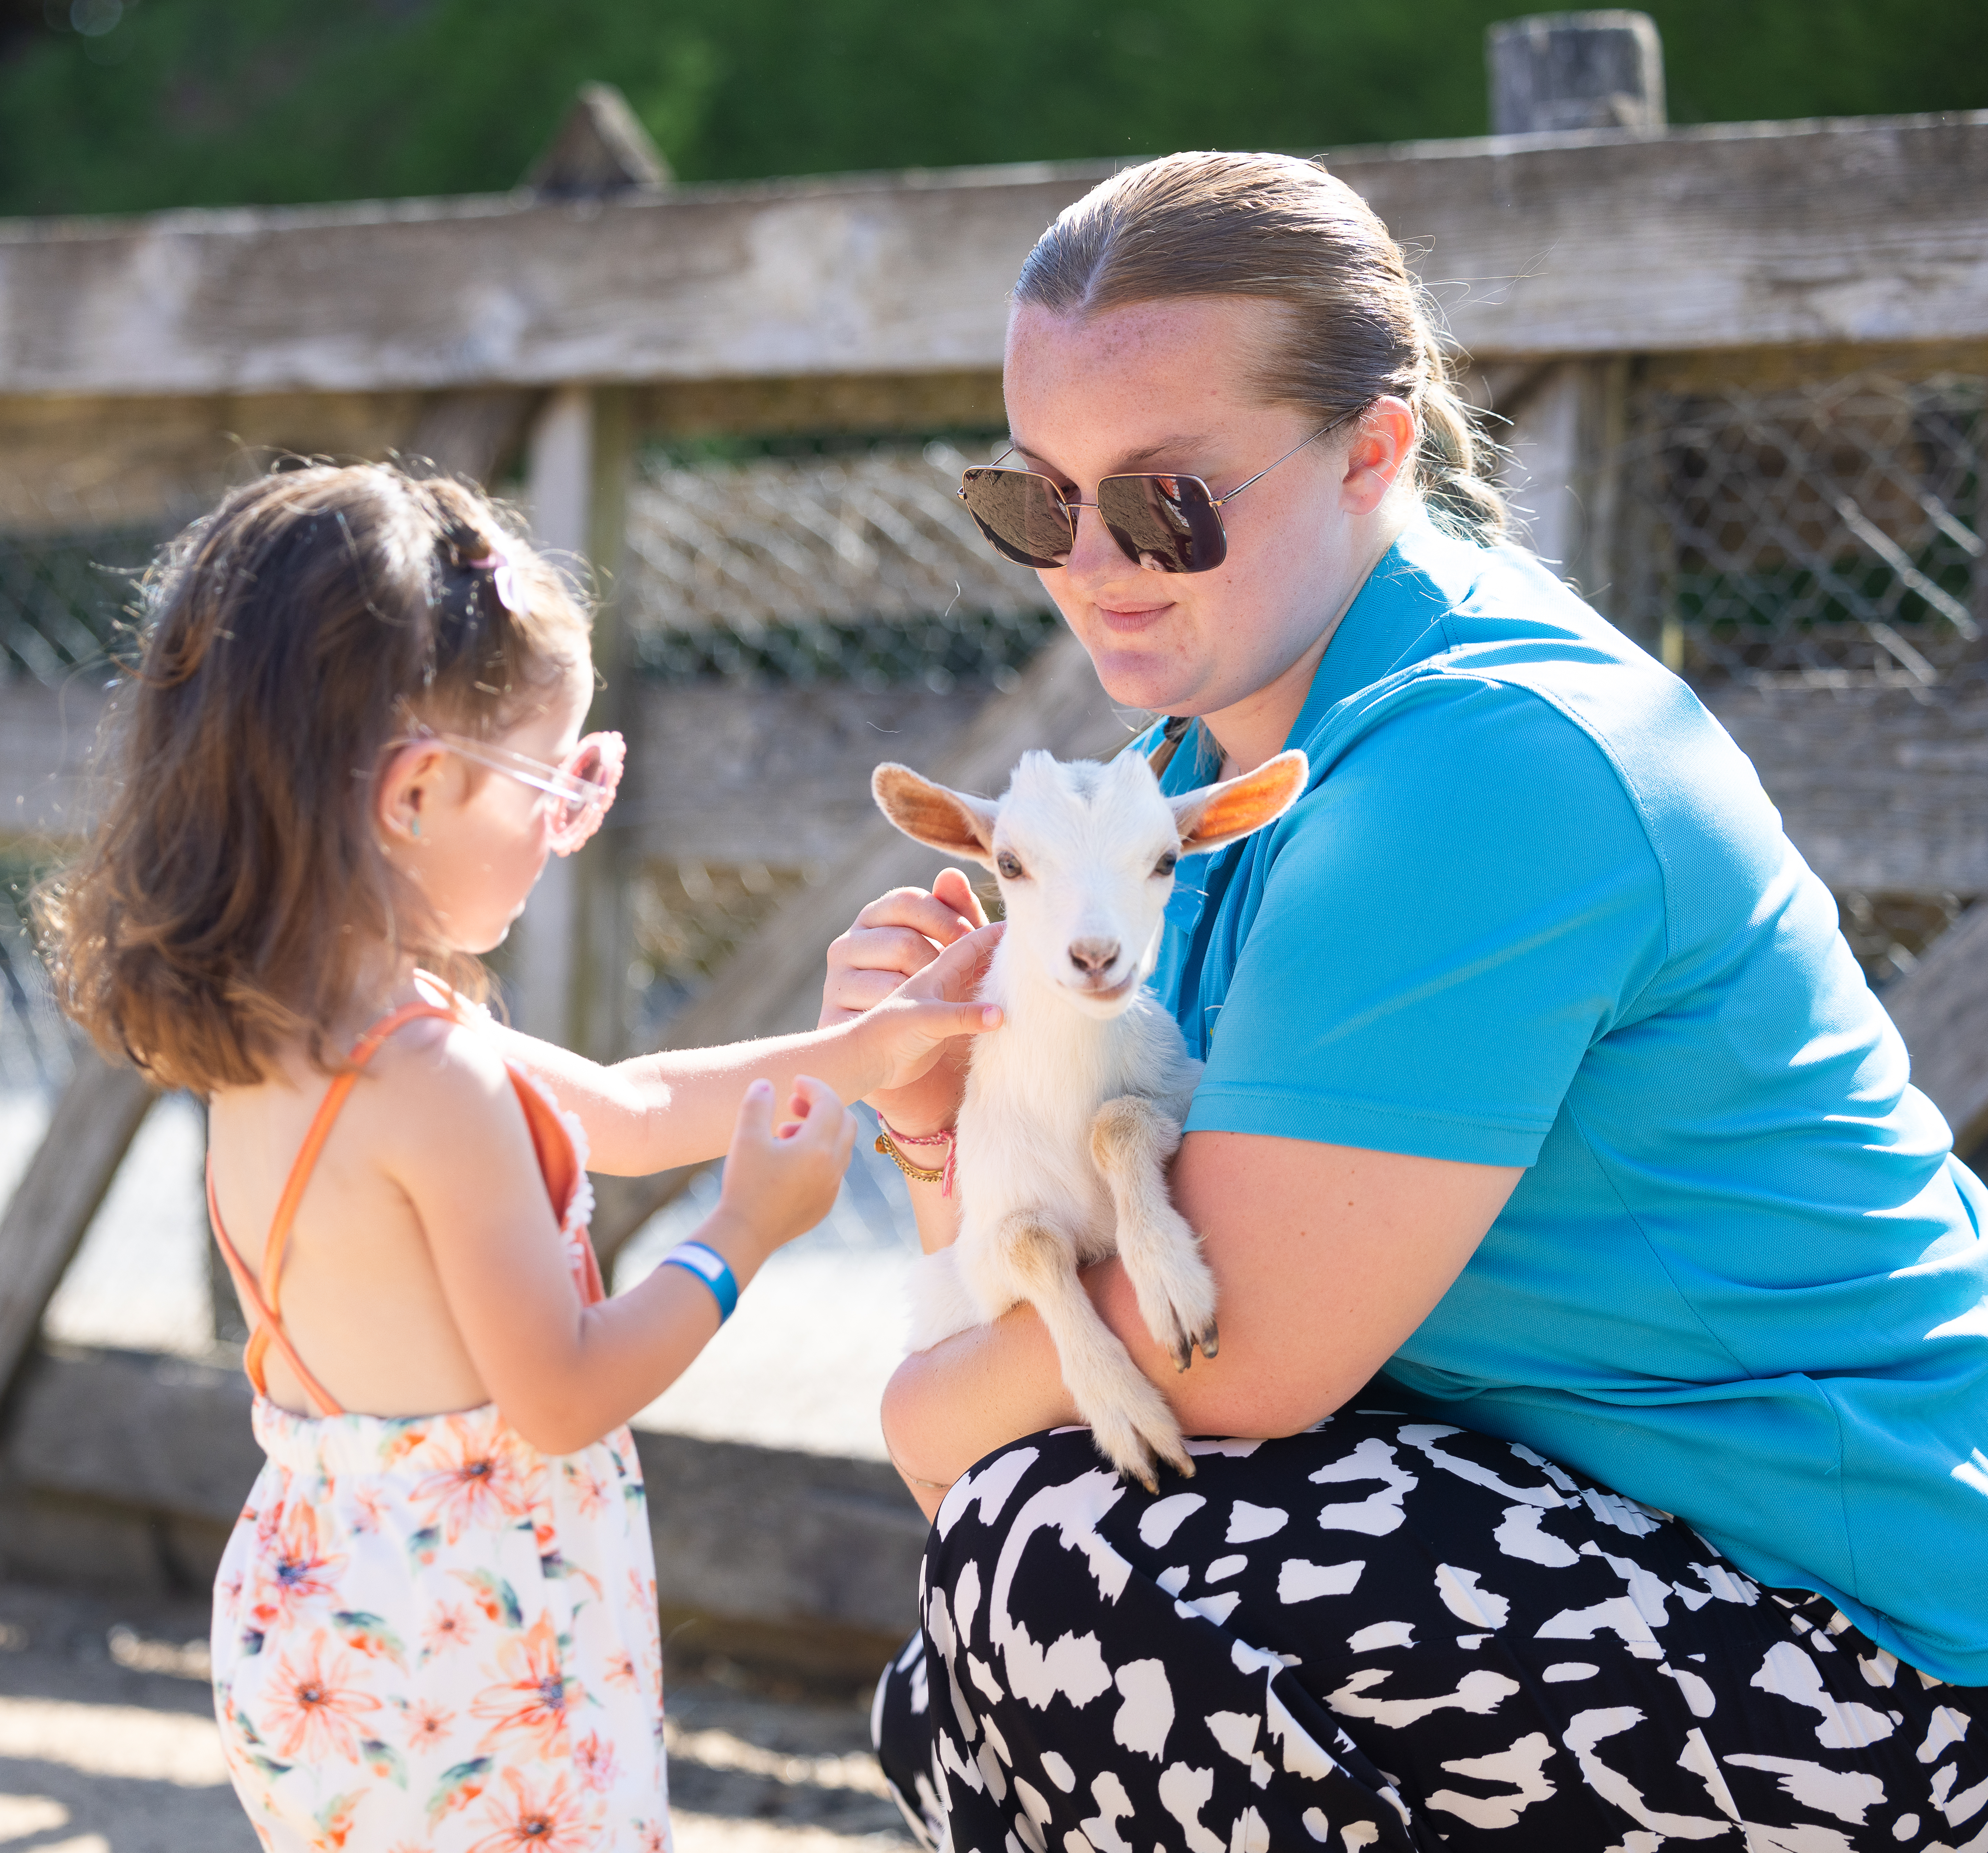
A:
(1444, 924)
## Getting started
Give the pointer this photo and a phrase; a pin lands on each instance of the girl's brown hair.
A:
(236, 882)
(1271, 226)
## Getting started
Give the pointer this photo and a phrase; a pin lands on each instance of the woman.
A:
(1559, 1172)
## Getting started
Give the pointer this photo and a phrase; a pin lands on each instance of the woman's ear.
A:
(1215, 815)
(1383, 443)
(953, 822)
(403, 800)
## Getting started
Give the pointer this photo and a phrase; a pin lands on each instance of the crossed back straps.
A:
(558, 1163)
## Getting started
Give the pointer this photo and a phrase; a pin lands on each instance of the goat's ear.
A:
(943, 819)
(1215, 815)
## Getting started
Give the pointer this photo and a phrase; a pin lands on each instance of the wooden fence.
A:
(140, 358)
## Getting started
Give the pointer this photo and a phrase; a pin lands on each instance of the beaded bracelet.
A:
(888, 1141)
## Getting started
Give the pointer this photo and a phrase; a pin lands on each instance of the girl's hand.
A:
(912, 1032)
(893, 938)
(779, 1182)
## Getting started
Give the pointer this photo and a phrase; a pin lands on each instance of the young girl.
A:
(354, 739)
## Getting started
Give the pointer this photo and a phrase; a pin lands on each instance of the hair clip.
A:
(501, 563)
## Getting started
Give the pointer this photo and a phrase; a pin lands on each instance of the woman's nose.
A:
(1096, 556)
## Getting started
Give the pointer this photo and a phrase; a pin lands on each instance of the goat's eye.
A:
(1165, 864)
(1008, 866)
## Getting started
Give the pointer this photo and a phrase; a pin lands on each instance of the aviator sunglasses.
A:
(1172, 524)
(584, 783)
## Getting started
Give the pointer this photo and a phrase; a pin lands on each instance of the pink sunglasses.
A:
(584, 782)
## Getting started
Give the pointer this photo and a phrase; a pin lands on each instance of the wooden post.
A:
(567, 971)
(95, 1118)
(1589, 70)
(578, 456)
(1567, 71)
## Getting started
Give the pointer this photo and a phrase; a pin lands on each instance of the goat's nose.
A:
(1093, 955)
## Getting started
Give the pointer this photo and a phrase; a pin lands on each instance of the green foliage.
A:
(264, 102)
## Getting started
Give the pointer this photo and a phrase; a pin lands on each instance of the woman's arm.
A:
(1326, 1258)
(677, 1107)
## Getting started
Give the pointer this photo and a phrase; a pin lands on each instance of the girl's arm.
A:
(565, 1374)
(1325, 1257)
(677, 1107)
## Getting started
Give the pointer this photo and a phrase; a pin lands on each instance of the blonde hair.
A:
(1273, 227)
(291, 636)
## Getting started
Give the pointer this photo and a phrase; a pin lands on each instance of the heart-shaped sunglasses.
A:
(1170, 523)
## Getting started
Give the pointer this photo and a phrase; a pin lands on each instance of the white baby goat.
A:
(1073, 1109)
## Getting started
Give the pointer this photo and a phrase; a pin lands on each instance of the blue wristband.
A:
(709, 1266)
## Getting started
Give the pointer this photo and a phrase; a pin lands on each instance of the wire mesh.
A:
(688, 918)
(62, 597)
(35, 1051)
(863, 567)
(1827, 534)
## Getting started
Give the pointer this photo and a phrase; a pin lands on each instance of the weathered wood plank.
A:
(802, 1555)
(728, 775)
(95, 1118)
(1941, 1008)
(1885, 794)
(719, 773)
(70, 465)
(1888, 795)
(1867, 229)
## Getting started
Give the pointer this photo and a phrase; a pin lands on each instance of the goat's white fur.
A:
(1073, 1107)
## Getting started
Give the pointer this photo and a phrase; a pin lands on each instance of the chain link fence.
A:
(1828, 535)
(35, 1048)
(863, 567)
(63, 597)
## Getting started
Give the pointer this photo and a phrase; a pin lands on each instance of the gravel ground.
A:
(107, 1744)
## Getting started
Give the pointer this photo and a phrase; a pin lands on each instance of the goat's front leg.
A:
(1129, 1419)
(1132, 1139)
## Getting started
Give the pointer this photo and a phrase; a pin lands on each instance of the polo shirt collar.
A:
(1401, 598)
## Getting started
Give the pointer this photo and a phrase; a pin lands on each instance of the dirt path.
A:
(107, 1745)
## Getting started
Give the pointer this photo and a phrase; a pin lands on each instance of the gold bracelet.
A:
(917, 1174)
(937, 1486)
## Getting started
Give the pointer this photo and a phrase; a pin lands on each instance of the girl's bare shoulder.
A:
(451, 1063)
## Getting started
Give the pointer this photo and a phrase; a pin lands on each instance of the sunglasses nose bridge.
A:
(1094, 545)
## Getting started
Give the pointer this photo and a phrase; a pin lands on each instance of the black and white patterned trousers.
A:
(1393, 1634)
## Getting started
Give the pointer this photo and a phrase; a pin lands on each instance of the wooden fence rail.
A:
(138, 357)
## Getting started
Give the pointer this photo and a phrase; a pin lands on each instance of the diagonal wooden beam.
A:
(95, 1118)
(1941, 1008)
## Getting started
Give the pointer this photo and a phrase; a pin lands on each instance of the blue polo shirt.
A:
(1534, 909)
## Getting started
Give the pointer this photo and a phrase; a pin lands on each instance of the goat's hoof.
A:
(1149, 1481)
(1183, 1352)
(1211, 1341)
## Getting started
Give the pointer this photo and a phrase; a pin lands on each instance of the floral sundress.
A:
(428, 1636)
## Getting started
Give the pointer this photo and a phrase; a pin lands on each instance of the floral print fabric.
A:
(430, 1638)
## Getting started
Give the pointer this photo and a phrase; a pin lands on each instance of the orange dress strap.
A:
(264, 1299)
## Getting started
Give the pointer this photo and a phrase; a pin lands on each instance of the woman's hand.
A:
(895, 937)
(780, 1181)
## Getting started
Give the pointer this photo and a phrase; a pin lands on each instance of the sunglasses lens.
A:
(585, 766)
(1165, 521)
(1020, 513)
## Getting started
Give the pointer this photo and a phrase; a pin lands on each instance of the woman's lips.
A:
(1132, 619)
